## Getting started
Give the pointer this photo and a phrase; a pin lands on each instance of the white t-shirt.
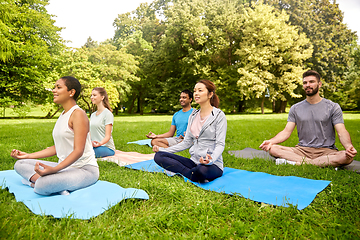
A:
(64, 141)
(97, 127)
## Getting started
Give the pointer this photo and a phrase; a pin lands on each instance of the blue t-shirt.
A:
(180, 121)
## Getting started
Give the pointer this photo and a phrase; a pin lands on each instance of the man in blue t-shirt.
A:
(179, 124)
(316, 119)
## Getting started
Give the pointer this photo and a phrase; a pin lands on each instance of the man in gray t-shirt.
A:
(316, 119)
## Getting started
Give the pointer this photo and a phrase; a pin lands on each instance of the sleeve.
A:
(185, 144)
(337, 115)
(291, 116)
(221, 128)
(173, 122)
(109, 118)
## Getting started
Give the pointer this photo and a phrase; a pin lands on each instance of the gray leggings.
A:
(69, 179)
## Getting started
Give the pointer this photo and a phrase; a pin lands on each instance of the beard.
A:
(313, 92)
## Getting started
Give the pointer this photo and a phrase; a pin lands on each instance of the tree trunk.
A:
(273, 106)
(262, 103)
(55, 112)
(88, 105)
(283, 106)
(138, 104)
(132, 105)
(280, 106)
(241, 106)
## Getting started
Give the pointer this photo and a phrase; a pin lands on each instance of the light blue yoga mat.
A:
(142, 142)
(80, 204)
(257, 186)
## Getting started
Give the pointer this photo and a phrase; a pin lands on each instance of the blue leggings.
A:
(69, 178)
(186, 167)
(103, 151)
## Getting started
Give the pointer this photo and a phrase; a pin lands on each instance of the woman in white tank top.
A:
(77, 167)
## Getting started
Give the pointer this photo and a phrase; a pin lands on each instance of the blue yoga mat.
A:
(80, 204)
(257, 186)
(142, 142)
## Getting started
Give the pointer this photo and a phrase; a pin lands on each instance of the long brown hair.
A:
(103, 93)
(210, 86)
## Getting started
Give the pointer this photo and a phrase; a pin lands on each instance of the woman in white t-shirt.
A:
(77, 167)
(101, 124)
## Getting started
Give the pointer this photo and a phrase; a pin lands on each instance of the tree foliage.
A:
(29, 41)
(97, 66)
(322, 22)
(272, 55)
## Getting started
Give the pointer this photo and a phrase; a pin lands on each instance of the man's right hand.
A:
(266, 145)
(350, 152)
(151, 135)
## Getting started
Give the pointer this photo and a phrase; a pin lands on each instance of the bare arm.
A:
(48, 152)
(168, 134)
(80, 124)
(280, 137)
(345, 140)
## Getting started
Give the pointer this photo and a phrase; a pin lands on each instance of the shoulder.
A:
(79, 113)
(330, 103)
(178, 112)
(79, 116)
(219, 112)
(299, 104)
(194, 112)
(108, 112)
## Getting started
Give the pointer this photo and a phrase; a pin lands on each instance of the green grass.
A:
(180, 210)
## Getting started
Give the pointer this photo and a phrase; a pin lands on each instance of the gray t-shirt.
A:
(97, 127)
(315, 122)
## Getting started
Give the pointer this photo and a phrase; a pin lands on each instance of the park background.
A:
(254, 51)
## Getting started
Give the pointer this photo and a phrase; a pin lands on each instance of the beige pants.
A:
(313, 153)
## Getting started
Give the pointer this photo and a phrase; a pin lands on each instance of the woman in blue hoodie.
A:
(205, 134)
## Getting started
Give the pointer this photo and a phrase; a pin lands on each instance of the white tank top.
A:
(63, 137)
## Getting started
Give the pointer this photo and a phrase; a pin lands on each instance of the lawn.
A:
(180, 210)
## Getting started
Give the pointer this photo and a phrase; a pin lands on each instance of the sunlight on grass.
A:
(179, 210)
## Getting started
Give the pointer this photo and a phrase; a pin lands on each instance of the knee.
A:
(344, 160)
(158, 158)
(18, 165)
(41, 187)
(274, 150)
(155, 141)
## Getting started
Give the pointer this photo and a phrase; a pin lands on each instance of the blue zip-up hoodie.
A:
(211, 139)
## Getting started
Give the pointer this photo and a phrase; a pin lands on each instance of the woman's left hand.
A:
(206, 160)
(46, 169)
(96, 144)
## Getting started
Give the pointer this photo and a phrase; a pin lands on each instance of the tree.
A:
(137, 33)
(322, 22)
(101, 66)
(272, 55)
(29, 41)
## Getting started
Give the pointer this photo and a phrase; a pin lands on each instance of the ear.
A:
(320, 84)
(211, 94)
(72, 92)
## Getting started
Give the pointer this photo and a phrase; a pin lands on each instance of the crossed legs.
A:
(186, 167)
(161, 142)
(321, 157)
